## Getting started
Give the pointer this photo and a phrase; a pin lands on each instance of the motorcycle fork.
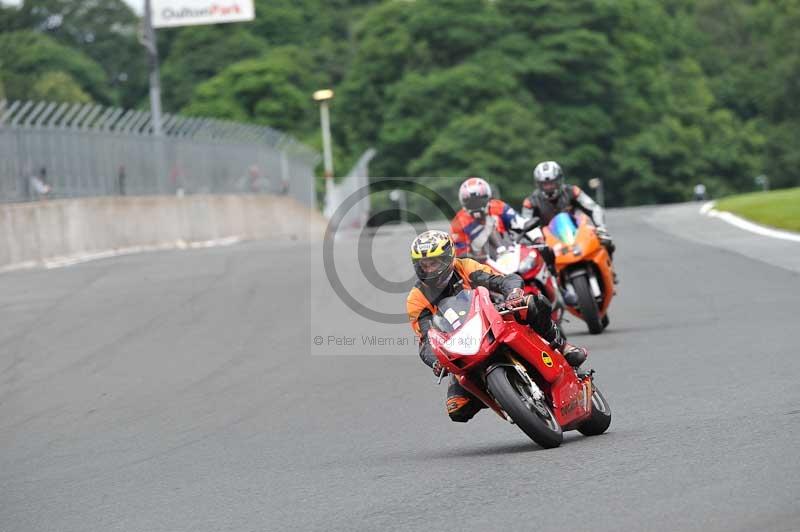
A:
(536, 393)
(522, 371)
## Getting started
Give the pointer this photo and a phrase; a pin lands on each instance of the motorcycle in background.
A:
(516, 253)
(583, 267)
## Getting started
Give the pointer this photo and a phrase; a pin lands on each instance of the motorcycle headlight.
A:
(467, 340)
(576, 250)
(527, 264)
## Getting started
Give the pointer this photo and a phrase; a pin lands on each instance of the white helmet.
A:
(549, 177)
(474, 196)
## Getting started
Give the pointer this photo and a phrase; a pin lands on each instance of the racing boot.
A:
(461, 405)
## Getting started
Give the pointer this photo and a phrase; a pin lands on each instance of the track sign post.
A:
(172, 13)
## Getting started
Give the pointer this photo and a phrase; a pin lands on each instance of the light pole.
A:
(148, 40)
(323, 96)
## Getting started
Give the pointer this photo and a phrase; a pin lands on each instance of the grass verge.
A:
(779, 208)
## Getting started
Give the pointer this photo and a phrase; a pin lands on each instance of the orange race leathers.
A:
(421, 306)
(466, 229)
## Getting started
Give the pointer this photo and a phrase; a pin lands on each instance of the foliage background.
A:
(653, 97)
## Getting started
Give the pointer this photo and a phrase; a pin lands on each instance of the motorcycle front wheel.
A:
(534, 417)
(588, 306)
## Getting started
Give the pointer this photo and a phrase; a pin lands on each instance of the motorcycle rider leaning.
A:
(481, 215)
(439, 275)
(551, 197)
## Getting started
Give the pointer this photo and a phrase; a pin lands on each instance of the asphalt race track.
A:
(183, 391)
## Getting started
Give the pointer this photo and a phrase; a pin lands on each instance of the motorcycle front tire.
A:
(587, 305)
(502, 382)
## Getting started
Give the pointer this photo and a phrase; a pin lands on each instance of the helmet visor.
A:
(475, 203)
(550, 188)
(430, 267)
(434, 271)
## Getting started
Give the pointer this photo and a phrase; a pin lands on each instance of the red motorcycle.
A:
(521, 256)
(513, 371)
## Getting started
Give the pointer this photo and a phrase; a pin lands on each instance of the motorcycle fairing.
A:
(508, 261)
(570, 401)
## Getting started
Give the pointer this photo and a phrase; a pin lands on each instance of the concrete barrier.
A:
(57, 232)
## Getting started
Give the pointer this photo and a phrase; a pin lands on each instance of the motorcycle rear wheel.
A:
(588, 306)
(535, 418)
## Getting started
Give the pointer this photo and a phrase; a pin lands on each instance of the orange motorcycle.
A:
(583, 266)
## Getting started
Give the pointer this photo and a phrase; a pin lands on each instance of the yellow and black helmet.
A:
(433, 257)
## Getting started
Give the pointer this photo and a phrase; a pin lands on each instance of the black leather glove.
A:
(515, 298)
(602, 234)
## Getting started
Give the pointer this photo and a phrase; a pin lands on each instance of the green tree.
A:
(691, 142)
(501, 143)
(58, 87)
(104, 31)
(8, 18)
(781, 95)
(750, 53)
(27, 56)
(397, 38)
(200, 53)
(274, 90)
(385, 49)
(420, 105)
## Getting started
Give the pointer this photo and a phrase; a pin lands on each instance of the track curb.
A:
(737, 221)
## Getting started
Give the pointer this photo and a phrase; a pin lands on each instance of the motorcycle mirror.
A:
(532, 223)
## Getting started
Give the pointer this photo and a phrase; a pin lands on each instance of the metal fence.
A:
(71, 150)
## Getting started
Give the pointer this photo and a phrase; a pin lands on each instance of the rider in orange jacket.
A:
(479, 217)
(439, 275)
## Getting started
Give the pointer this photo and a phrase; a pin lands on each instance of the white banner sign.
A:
(170, 13)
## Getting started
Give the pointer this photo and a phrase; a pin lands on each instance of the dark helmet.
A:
(549, 177)
(433, 257)
(474, 196)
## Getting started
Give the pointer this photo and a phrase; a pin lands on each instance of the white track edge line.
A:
(708, 210)
(70, 260)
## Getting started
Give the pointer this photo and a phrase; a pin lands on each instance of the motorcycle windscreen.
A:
(563, 228)
(452, 311)
(508, 261)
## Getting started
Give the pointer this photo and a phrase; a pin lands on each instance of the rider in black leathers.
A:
(551, 197)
